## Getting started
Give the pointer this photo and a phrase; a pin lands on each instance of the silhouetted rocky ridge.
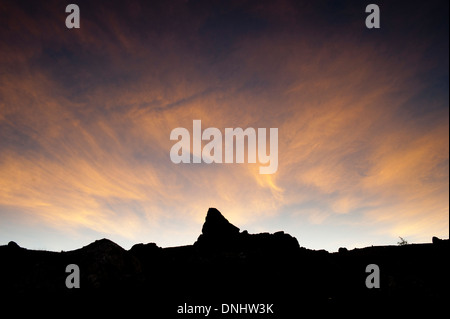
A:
(226, 265)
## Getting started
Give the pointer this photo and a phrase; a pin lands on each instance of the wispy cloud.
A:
(86, 117)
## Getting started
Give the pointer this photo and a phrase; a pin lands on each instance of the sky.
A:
(86, 116)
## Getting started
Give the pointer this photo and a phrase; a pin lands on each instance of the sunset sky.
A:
(86, 116)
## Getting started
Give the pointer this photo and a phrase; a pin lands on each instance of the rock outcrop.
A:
(216, 225)
(218, 234)
(225, 265)
(104, 263)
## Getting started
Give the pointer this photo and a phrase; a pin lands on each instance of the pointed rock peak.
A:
(103, 245)
(217, 225)
(13, 245)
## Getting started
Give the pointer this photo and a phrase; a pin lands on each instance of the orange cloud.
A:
(86, 118)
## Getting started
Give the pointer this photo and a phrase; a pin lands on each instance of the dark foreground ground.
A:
(225, 267)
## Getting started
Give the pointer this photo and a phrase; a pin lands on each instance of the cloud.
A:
(86, 116)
